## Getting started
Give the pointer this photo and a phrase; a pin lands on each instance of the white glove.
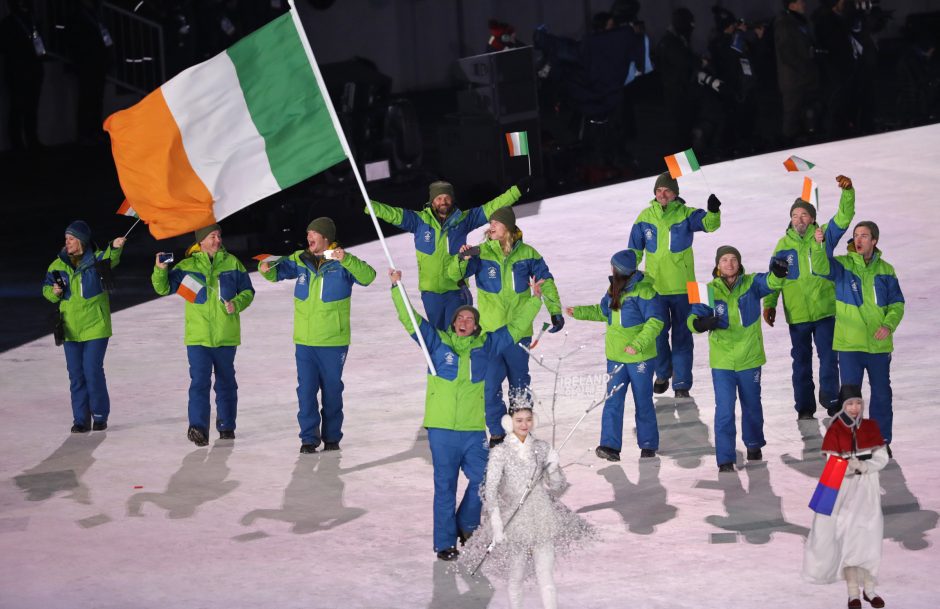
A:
(497, 524)
(552, 460)
(855, 465)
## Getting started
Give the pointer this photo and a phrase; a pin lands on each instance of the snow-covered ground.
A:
(139, 517)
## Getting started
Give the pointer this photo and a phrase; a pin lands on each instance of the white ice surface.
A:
(257, 525)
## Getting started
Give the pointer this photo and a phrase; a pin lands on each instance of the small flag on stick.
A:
(824, 498)
(190, 287)
(700, 293)
(682, 163)
(269, 258)
(518, 143)
(126, 210)
(795, 163)
(810, 190)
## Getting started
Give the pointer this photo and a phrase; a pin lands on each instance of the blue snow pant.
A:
(730, 384)
(202, 362)
(512, 363)
(639, 376)
(85, 363)
(440, 308)
(852, 367)
(677, 361)
(802, 337)
(320, 369)
(452, 451)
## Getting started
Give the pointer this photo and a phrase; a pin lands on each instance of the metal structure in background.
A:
(138, 54)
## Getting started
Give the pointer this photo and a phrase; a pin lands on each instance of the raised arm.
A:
(404, 219)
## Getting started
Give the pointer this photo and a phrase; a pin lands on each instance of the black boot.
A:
(726, 468)
(605, 452)
(99, 425)
(449, 554)
(754, 454)
(647, 453)
(660, 385)
(308, 449)
(197, 436)
(330, 446)
(79, 428)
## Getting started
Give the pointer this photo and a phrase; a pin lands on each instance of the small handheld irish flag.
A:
(682, 163)
(795, 163)
(824, 499)
(126, 210)
(269, 258)
(518, 143)
(700, 293)
(810, 190)
(190, 287)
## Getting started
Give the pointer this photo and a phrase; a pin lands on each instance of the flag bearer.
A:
(217, 289)
(325, 274)
(74, 281)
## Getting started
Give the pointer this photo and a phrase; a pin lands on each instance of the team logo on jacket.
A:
(649, 233)
(757, 376)
(790, 259)
(449, 358)
(491, 272)
(427, 236)
(720, 308)
(302, 279)
(854, 286)
(641, 368)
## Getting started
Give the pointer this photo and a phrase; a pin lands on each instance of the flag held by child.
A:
(824, 498)
(682, 163)
(225, 133)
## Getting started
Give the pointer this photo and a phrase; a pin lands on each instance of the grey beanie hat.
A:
(727, 249)
(664, 179)
(505, 216)
(440, 188)
(203, 232)
(806, 205)
(325, 227)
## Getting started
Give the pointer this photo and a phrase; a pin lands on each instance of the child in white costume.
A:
(847, 544)
(540, 527)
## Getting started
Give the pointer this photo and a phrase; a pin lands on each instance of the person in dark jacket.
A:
(797, 73)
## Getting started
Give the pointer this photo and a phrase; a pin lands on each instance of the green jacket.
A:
(208, 324)
(436, 243)
(666, 237)
(503, 281)
(637, 324)
(738, 342)
(867, 296)
(455, 397)
(85, 307)
(807, 297)
(322, 295)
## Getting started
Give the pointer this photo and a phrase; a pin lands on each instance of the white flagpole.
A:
(355, 168)
(132, 227)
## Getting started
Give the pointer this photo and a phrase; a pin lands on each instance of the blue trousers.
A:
(729, 385)
(511, 363)
(852, 368)
(440, 308)
(802, 337)
(85, 363)
(677, 361)
(320, 369)
(452, 451)
(203, 361)
(639, 376)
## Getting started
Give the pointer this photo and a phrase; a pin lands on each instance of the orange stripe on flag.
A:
(673, 166)
(694, 296)
(155, 173)
(808, 186)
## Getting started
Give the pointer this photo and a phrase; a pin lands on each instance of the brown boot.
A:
(855, 603)
(876, 601)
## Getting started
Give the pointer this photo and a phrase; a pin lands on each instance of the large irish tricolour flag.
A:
(225, 133)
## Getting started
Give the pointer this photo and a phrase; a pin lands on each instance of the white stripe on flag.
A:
(222, 143)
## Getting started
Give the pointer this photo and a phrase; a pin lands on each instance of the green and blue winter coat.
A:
(223, 277)
(435, 242)
(807, 297)
(867, 296)
(637, 324)
(738, 342)
(85, 307)
(455, 398)
(503, 281)
(665, 235)
(322, 295)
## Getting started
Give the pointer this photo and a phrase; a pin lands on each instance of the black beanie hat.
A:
(727, 249)
(664, 179)
(871, 226)
(440, 188)
(325, 227)
(806, 205)
(847, 392)
(476, 317)
(203, 232)
(80, 230)
(505, 216)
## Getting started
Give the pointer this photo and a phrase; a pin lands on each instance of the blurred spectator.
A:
(730, 52)
(24, 50)
(918, 100)
(502, 37)
(797, 74)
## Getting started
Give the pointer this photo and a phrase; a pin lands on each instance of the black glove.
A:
(704, 324)
(524, 185)
(105, 274)
(779, 266)
(713, 203)
(558, 322)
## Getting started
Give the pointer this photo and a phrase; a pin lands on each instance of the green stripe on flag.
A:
(285, 102)
(693, 162)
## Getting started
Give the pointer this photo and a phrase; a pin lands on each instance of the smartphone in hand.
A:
(166, 258)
